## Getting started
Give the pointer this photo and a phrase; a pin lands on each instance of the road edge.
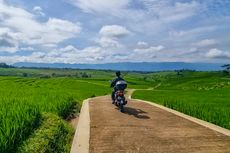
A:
(80, 142)
(193, 119)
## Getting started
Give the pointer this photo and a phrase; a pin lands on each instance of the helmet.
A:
(118, 73)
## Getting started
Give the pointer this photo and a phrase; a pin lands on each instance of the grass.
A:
(205, 95)
(28, 93)
(23, 100)
(35, 102)
(211, 106)
(54, 135)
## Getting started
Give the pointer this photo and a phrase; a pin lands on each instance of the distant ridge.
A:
(144, 66)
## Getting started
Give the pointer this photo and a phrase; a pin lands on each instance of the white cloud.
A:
(7, 41)
(39, 11)
(219, 54)
(166, 10)
(110, 35)
(106, 42)
(145, 47)
(192, 32)
(23, 28)
(27, 48)
(8, 49)
(170, 11)
(50, 45)
(182, 25)
(142, 44)
(70, 54)
(69, 48)
(57, 30)
(92, 54)
(179, 11)
(114, 31)
(161, 22)
(150, 49)
(101, 6)
(146, 52)
(205, 43)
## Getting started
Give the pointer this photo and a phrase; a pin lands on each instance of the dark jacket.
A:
(113, 83)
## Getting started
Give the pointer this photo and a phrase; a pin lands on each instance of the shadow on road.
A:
(138, 113)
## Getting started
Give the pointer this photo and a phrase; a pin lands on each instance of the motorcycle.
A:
(120, 100)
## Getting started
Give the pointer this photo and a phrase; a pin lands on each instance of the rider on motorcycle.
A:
(113, 83)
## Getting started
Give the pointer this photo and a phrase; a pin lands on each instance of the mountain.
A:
(144, 66)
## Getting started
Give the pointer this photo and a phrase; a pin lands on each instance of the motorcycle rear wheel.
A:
(121, 108)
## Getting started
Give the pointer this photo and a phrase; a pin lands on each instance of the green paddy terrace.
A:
(24, 100)
(35, 102)
(205, 95)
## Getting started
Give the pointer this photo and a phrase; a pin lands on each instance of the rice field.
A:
(23, 100)
(204, 95)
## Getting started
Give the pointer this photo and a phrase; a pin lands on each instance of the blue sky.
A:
(105, 31)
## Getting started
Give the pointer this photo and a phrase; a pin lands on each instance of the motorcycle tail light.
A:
(121, 94)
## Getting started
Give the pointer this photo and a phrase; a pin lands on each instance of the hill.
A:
(144, 66)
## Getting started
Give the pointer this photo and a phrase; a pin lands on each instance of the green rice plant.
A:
(23, 100)
(16, 123)
(212, 105)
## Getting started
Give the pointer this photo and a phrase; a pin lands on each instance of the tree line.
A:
(226, 68)
(4, 65)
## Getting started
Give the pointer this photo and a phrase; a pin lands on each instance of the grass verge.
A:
(54, 135)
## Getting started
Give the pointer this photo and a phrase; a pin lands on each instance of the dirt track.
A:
(146, 129)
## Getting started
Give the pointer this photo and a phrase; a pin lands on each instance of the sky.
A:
(110, 31)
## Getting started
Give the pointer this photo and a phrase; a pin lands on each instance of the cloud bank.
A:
(99, 31)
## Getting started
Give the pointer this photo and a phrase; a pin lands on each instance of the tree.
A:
(24, 74)
(53, 74)
(179, 72)
(76, 75)
(4, 65)
(84, 75)
(226, 68)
